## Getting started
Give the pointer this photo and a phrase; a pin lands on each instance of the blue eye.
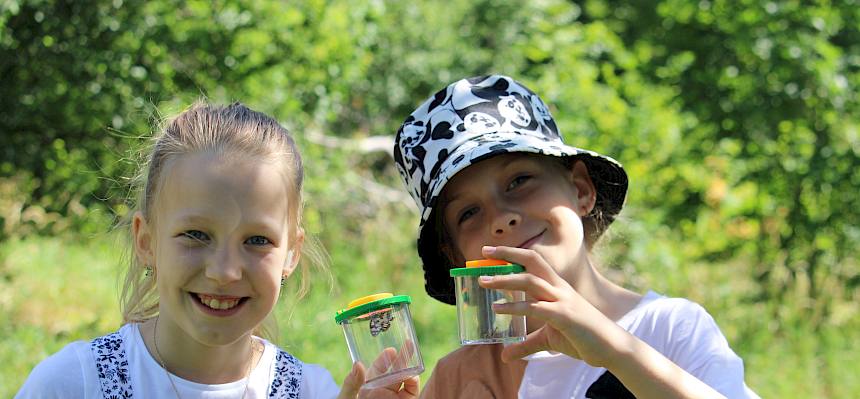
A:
(258, 240)
(196, 235)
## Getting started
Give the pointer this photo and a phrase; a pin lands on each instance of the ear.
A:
(294, 253)
(586, 194)
(142, 235)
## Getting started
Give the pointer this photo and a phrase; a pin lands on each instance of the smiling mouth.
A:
(528, 243)
(219, 302)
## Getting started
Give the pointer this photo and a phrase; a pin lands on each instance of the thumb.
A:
(535, 342)
(352, 382)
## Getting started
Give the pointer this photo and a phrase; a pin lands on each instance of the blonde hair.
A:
(232, 130)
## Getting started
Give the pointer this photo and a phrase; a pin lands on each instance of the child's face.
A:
(519, 200)
(219, 245)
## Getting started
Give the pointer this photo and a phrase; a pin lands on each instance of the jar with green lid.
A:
(477, 322)
(379, 334)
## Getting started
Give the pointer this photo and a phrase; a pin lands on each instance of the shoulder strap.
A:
(608, 386)
(288, 377)
(112, 366)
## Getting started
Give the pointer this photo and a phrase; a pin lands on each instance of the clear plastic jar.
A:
(379, 333)
(477, 322)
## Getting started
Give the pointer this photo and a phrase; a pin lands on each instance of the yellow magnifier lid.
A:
(369, 298)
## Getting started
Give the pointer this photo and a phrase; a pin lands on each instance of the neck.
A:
(611, 299)
(191, 360)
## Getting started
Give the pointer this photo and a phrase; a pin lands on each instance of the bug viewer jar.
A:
(379, 333)
(477, 322)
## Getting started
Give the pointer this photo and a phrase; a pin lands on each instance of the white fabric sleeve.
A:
(701, 349)
(317, 383)
(61, 375)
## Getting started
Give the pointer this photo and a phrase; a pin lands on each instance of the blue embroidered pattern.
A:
(112, 367)
(288, 377)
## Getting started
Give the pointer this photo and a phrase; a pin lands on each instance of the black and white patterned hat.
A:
(471, 120)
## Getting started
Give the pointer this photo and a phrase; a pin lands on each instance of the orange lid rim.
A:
(486, 262)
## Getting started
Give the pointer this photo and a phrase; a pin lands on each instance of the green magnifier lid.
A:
(487, 270)
(370, 303)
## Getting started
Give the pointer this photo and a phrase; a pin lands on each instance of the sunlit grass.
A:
(52, 292)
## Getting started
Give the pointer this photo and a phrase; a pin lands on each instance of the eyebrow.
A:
(448, 199)
(264, 223)
(192, 219)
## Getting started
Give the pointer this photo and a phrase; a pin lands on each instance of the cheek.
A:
(190, 258)
(269, 264)
(170, 254)
(570, 223)
(192, 254)
(467, 247)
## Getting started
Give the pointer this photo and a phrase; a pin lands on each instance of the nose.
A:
(505, 221)
(226, 266)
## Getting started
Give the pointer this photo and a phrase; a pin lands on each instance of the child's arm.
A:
(576, 328)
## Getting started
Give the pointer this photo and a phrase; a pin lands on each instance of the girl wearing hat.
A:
(485, 163)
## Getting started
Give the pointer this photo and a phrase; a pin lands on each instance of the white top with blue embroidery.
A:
(72, 373)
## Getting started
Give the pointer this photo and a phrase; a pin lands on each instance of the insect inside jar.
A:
(380, 322)
(494, 333)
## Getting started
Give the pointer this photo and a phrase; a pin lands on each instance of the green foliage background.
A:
(737, 121)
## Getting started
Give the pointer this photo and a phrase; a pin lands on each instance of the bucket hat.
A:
(471, 120)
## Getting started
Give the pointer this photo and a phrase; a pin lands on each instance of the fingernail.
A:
(488, 250)
(485, 279)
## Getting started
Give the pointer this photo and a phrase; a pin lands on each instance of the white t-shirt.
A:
(679, 329)
(71, 373)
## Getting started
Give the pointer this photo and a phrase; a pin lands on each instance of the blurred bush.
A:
(738, 122)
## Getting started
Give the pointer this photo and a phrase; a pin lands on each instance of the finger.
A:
(352, 382)
(410, 388)
(545, 312)
(529, 259)
(405, 354)
(383, 362)
(535, 342)
(532, 285)
(401, 362)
